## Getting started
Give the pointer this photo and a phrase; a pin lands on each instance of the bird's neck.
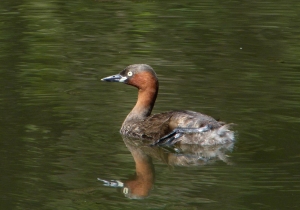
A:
(145, 103)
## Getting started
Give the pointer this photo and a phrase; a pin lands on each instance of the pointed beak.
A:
(114, 78)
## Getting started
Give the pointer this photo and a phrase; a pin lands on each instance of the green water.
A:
(238, 61)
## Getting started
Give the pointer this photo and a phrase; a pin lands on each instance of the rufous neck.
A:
(145, 103)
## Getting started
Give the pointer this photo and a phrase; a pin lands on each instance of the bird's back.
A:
(158, 125)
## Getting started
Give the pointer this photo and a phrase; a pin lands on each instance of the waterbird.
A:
(168, 128)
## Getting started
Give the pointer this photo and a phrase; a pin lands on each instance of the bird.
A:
(167, 128)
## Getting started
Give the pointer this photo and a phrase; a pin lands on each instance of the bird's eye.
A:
(129, 73)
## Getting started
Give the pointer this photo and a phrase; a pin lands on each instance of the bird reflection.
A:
(140, 185)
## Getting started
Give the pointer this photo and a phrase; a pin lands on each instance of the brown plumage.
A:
(140, 123)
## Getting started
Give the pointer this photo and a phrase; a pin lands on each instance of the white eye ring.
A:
(129, 73)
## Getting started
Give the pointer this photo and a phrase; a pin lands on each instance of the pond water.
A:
(237, 61)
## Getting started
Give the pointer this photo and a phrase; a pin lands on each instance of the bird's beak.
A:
(114, 78)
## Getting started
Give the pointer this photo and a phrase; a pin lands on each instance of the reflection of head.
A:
(134, 188)
(139, 186)
(128, 194)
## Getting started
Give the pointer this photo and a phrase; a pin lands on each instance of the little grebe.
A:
(186, 127)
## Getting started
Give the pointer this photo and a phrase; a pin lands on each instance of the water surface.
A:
(236, 61)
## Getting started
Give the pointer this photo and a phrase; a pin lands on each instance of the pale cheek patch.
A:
(122, 79)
